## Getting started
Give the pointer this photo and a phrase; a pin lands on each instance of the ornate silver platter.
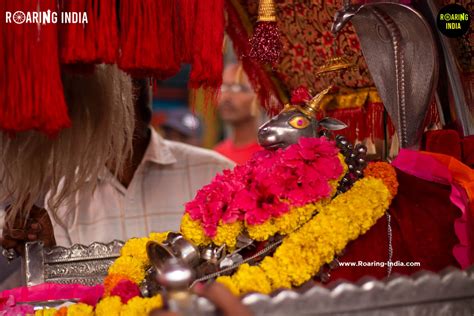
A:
(450, 292)
(79, 264)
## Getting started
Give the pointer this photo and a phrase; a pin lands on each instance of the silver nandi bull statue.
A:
(295, 121)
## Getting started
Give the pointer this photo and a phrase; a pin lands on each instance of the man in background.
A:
(239, 109)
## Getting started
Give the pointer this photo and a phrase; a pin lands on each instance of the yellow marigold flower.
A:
(229, 284)
(111, 305)
(192, 231)
(61, 312)
(129, 266)
(136, 248)
(227, 234)
(46, 312)
(139, 306)
(134, 307)
(278, 277)
(80, 309)
(297, 216)
(153, 303)
(158, 237)
(251, 279)
(385, 172)
(263, 231)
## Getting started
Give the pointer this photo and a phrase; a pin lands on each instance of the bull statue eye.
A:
(299, 122)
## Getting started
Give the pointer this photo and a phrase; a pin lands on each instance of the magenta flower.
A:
(126, 290)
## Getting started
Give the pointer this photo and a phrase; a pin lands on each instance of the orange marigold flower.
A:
(111, 281)
(61, 312)
(385, 172)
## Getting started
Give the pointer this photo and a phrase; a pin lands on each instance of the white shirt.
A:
(169, 176)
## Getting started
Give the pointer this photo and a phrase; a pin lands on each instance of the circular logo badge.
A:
(453, 20)
(19, 17)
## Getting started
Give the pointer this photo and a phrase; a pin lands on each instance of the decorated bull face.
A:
(296, 121)
(285, 129)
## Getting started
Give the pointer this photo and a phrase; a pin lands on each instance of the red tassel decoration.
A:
(265, 43)
(375, 128)
(31, 94)
(187, 29)
(208, 38)
(93, 42)
(148, 41)
(355, 120)
(208, 61)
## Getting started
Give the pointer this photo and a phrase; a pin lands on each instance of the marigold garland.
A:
(193, 231)
(111, 281)
(303, 252)
(227, 234)
(129, 266)
(61, 312)
(132, 261)
(385, 172)
(158, 237)
(80, 309)
(141, 306)
(227, 282)
(46, 312)
(136, 248)
(111, 305)
(315, 233)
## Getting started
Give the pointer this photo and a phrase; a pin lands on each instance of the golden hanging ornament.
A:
(266, 11)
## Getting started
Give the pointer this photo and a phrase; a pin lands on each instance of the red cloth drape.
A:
(422, 222)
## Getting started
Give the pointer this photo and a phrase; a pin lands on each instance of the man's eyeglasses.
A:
(234, 88)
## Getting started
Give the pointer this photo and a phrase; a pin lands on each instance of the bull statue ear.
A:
(332, 124)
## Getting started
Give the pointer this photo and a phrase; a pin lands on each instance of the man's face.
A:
(237, 96)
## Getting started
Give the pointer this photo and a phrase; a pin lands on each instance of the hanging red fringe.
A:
(93, 42)
(31, 94)
(207, 48)
(355, 120)
(207, 61)
(148, 41)
(187, 29)
(375, 124)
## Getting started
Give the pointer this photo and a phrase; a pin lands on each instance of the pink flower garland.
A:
(256, 191)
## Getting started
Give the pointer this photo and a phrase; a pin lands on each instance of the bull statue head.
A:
(296, 121)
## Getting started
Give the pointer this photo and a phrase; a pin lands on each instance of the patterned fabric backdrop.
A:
(308, 43)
